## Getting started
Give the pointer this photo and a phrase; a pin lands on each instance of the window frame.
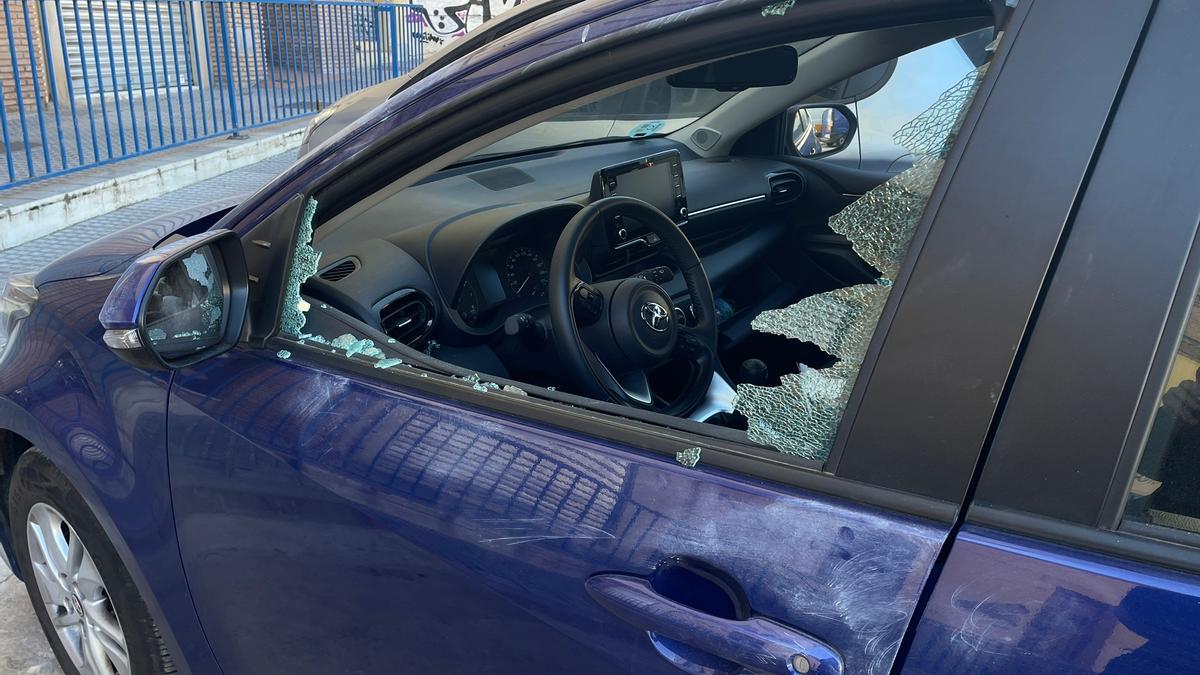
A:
(742, 458)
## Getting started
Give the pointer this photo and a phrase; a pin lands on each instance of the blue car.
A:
(493, 380)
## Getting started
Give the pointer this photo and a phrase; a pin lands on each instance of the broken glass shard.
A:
(801, 415)
(688, 457)
(304, 264)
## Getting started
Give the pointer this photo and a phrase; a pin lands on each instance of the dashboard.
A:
(473, 245)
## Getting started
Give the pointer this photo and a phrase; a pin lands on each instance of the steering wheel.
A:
(611, 334)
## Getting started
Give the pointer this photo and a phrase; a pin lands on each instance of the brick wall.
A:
(23, 68)
(319, 49)
(247, 60)
(292, 37)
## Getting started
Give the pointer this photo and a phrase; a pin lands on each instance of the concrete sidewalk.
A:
(28, 212)
(36, 254)
(23, 646)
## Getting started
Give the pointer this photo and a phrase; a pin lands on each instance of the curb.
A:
(25, 222)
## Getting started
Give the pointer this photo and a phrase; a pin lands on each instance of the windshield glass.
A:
(651, 109)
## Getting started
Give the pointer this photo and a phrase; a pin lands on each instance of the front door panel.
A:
(330, 524)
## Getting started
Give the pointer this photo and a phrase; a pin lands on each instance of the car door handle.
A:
(757, 644)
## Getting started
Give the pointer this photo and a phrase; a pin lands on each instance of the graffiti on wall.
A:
(451, 18)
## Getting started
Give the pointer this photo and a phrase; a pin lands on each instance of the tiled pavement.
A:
(23, 647)
(37, 253)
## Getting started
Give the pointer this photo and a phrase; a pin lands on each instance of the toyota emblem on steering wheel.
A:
(656, 317)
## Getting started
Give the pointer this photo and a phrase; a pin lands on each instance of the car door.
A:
(334, 517)
(1080, 551)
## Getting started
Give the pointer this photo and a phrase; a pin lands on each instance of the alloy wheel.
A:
(75, 595)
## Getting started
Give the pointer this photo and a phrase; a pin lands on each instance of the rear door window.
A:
(1166, 488)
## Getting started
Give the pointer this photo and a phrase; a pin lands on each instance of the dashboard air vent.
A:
(408, 318)
(339, 270)
(786, 187)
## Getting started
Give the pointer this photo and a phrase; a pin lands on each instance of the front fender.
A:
(102, 422)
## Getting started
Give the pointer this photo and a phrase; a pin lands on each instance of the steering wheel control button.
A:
(589, 302)
(523, 326)
(659, 275)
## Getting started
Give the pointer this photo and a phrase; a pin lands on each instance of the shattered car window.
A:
(186, 310)
(801, 415)
(305, 259)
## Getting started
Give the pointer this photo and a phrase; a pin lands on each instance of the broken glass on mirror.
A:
(186, 310)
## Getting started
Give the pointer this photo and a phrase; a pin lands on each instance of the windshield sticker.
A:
(305, 259)
(801, 415)
(647, 128)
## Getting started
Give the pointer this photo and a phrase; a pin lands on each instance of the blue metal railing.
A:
(87, 82)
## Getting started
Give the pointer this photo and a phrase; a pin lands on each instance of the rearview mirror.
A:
(179, 304)
(767, 68)
(819, 130)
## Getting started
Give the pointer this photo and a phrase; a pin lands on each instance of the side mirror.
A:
(819, 130)
(179, 304)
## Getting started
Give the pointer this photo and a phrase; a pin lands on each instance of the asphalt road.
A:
(23, 647)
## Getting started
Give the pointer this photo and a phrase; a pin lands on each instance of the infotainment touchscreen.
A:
(657, 180)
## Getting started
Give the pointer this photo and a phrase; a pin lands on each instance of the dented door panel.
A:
(314, 505)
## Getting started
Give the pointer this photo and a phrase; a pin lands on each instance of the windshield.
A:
(652, 109)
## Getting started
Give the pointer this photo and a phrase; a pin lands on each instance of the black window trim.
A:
(1144, 544)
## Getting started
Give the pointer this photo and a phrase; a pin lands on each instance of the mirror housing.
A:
(766, 68)
(818, 130)
(217, 254)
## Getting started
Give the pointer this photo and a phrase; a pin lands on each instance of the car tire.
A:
(87, 599)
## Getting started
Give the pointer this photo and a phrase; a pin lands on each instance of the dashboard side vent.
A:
(786, 187)
(339, 270)
(408, 318)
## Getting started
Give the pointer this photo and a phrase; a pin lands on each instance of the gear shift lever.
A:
(753, 371)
